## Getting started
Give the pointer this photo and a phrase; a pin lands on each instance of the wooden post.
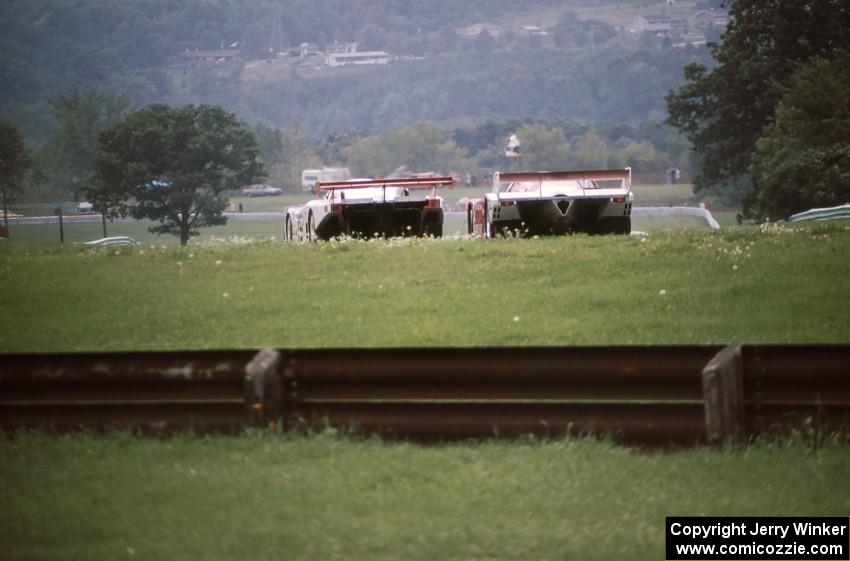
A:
(263, 395)
(723, 394)
(5, 208)
(103, 221)
(61, 227)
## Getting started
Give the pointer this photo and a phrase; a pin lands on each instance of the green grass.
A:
(665, 195)
(742, 284)
(330, 497)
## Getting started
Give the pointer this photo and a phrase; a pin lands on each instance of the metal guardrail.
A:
(646, 395)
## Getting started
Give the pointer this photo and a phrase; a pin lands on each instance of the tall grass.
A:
(329, 497)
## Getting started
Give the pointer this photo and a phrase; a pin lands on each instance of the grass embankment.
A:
(746, 284)
(326, 497)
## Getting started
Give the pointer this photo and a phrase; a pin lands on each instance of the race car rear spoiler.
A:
(409, 183)
(624, 174)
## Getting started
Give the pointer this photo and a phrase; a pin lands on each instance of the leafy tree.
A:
(724, 111)
(270, 142)
(296, 155)
(369, 156)
(14, 163)
(803, 159)
(73, 151)
(175, 166)
(591, 152)
(543, 147)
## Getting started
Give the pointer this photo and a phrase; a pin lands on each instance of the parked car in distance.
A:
(261, 191)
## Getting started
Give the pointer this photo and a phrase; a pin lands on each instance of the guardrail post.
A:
(723, 394)
(263, 395)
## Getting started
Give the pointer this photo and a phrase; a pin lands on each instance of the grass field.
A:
(326, 496)
(746, 284)
(331, 497)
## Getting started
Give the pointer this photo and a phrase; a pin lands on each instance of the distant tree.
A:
(591, 151)
(175, 166)
(803, 159)
(368, 156)
(484, 42)
(543, 147)
(14, 164)
(724, 111)
(270, 142)
(73, 150)
(296, 155)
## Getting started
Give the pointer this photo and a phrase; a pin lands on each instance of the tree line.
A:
(770, 122)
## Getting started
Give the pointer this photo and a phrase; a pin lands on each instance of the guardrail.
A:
(647, 395)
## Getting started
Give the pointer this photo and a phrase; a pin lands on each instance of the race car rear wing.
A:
(405, 183)
(408, 183)
(585, 176)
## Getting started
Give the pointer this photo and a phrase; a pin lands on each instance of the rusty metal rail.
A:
(652, 395)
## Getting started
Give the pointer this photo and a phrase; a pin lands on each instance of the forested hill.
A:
(581, 69)
(605, 85)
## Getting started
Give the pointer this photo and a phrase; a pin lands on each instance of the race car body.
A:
(369, 208)
(554, 202)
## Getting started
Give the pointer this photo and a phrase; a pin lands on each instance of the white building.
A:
(660, 25)
(365, 57)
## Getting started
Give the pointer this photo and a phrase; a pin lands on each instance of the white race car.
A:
(554, 202)
(369, 208)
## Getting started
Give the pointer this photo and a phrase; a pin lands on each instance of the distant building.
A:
(679, 26)
(534, 30)
(708, 18)
(343, 47)
(352, 59)
(217, 56)
(660, 25)
(477, 29)
(709, 5)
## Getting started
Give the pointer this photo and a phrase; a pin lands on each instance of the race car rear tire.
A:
(489, 229)
(287, 229)
(618, 225)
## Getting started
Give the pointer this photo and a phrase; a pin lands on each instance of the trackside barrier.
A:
(645, 395)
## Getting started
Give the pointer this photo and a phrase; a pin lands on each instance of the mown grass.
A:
(747, 284)
(330, 497)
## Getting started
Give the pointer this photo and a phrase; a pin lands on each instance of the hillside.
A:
(449, 61)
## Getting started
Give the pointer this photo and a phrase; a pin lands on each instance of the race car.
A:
(369, 208)
(554, 202)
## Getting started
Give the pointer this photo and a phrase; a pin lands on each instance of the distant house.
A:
(216, 56)
(709, 5)
(679, 26)
(477, 29)
(707, 18)
(660, 25)
(352, 59)
(534, 30)
(343, 47)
